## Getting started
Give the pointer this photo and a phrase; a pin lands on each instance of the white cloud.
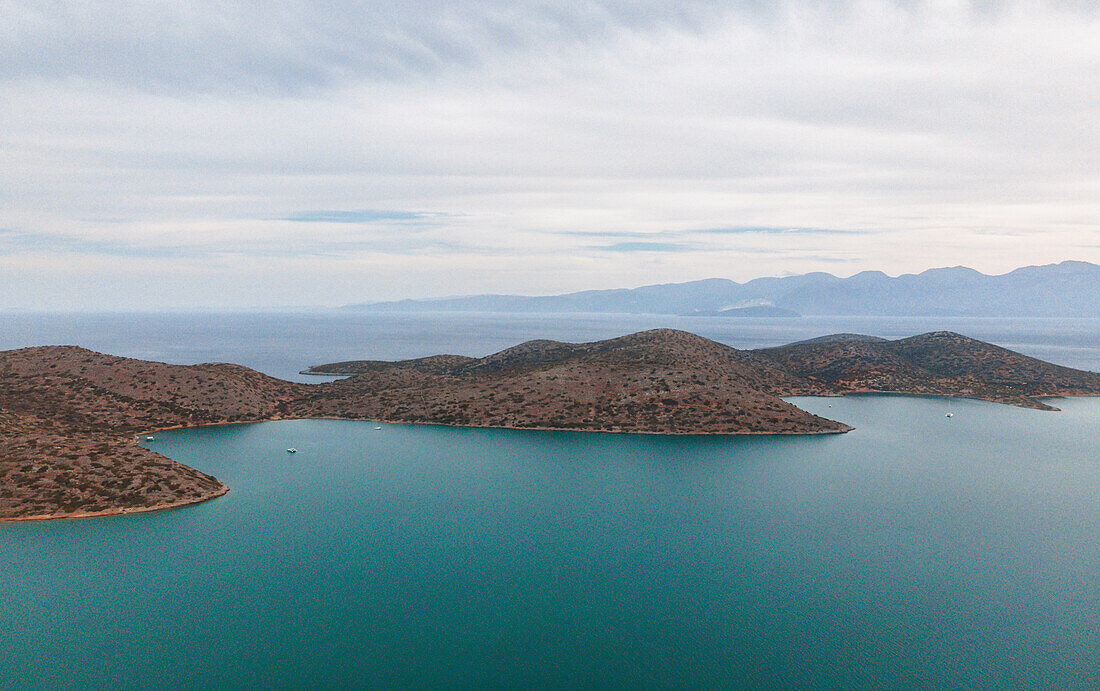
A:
(177, 137)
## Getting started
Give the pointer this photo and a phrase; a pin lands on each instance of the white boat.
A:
(292, 450)
(378, 428)
(950, 415)
(148, 439)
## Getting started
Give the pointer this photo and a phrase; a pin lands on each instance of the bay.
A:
(915, 551)
(918, 550)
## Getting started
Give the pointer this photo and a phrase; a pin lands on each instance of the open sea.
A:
(916, 551)
(283, 344)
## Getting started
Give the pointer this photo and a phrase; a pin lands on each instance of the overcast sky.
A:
(171, 154)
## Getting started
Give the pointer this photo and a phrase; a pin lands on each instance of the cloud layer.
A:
(160, 154)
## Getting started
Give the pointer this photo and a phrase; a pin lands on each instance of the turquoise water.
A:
(915, 551)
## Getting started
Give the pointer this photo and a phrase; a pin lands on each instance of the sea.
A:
(283, 344)
(917, 551)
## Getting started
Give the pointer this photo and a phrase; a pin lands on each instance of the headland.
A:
(70, 417)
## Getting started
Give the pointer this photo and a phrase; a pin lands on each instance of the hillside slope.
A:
(939, 363)
(656, 381)
(69, 416)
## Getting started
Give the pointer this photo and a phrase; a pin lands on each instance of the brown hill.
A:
(939, 363)
(662, 381)
(68, 416)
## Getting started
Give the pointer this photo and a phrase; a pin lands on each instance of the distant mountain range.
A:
(1069, 289)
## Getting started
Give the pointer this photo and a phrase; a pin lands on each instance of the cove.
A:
(917, 550)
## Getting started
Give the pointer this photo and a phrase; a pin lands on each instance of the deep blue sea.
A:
(282, 344)
(917, 551)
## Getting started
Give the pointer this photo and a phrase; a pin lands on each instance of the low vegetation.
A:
(69, 417)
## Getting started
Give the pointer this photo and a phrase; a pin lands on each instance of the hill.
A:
(69, 416)
(656, 381)
(1069, 289)
(939, 363)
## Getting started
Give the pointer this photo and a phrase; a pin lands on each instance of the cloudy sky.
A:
(167, 154)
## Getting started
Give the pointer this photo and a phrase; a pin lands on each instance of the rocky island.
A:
(69, 417)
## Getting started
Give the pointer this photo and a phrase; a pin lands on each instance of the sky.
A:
(233, 155)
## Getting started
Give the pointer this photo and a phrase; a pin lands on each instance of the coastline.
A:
(578, 429)
(1037, 403)
(224, 489)
(122, 511)
(67, 403)
(136, 438)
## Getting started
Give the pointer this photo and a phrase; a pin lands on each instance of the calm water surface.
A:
(915, 551)
(282, 344)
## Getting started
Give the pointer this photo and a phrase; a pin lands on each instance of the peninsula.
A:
(69, 417)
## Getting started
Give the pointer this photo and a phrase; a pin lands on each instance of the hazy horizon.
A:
(351, 303)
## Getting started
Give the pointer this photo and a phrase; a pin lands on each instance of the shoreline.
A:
(92, 410)
(581, 430)
(1037, 400)
(122, 510)
(137, 437)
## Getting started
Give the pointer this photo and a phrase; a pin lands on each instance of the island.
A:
(70, 418)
